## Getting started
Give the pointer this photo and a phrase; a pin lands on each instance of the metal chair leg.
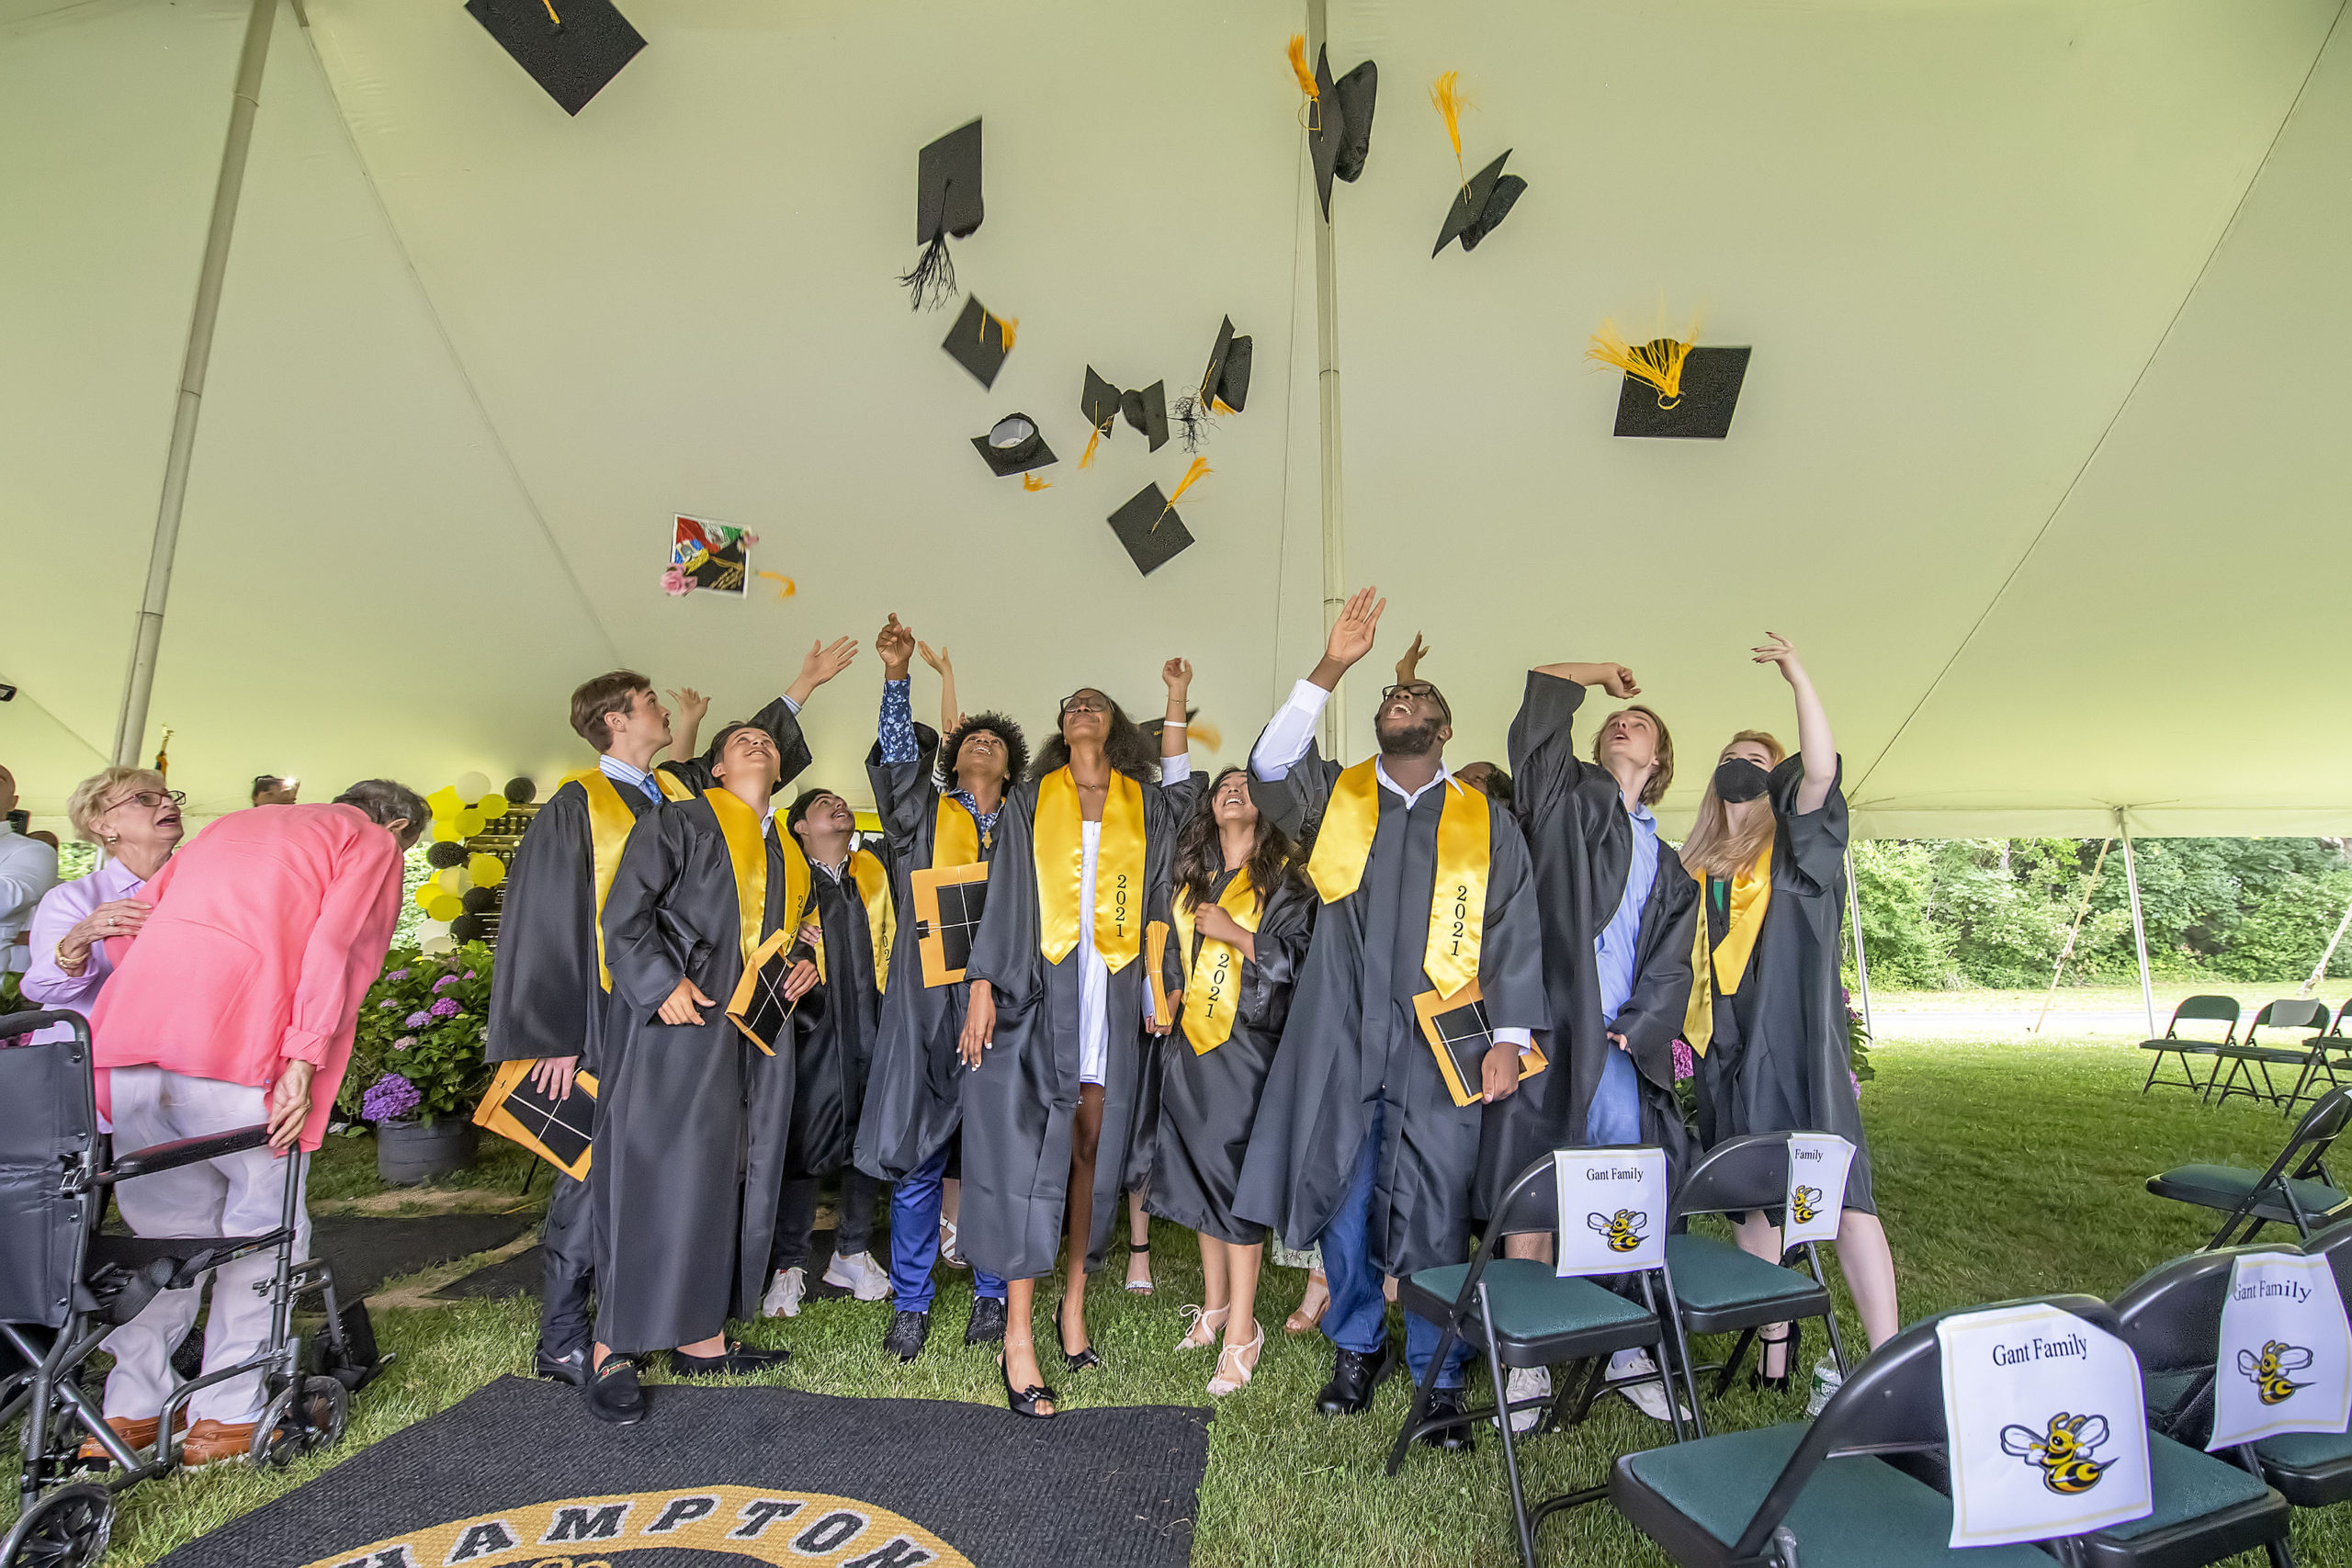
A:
(1732, 1361)
(1502, 1420)
(1421, 1390)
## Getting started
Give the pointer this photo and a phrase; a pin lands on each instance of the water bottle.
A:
(1826, 1381)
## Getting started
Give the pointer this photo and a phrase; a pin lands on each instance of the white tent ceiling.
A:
(2040, 457)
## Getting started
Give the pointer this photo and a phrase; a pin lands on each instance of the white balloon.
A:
(472, 786)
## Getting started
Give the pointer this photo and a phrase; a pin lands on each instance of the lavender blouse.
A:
(61, 909)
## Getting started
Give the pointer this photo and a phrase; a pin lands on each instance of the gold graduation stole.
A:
(747, 849)
(1719, 972)
(1060, 853)
(1458, 891)
(609, 820)
(1213, 979)
(874, 892)
(955, 835)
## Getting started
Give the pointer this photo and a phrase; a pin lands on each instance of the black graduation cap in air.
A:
(1147, 526)
(1342, 133)
(1223, 389)
(1147, 410)
(947, 204)
(1480, 206)
(1013, 446)
(570, 47)
(1099, 402)
(979, 342)
(1710, 392)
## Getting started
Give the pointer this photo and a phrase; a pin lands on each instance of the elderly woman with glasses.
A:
(135, 822)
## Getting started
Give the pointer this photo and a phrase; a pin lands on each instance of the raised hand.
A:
(1412, 659)
(1352, 633)
(1777, 651)
(938, 661)
(1177, 676)
(895, 643)
(1618, 681)
(691, 704)
(824, 661)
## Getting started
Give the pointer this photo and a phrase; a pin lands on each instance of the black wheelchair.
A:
(64, 1286)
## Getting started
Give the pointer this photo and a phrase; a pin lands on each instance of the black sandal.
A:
(1024, 1401)
(1144, 1250)
(1758, 1377)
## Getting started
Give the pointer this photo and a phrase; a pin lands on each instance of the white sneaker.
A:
(1649, 1398)
(859, 1275)
(1527, 1383)
(784, 1291)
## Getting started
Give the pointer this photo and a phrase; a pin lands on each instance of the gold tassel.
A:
(1299, 68)
(163, 754)
(552, 16)
(1093, 437)
(1194, 475)
(788, 588)
(1660, 362)
(1031, 481)
(1005, 327)
(1450, 104)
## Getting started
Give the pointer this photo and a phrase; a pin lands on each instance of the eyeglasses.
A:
(1085, 702)
(151, 799)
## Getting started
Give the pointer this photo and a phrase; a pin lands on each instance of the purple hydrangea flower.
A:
(1685, 1064)
(446, 1008)
(397, 975)
(389, 1002)
(404, 1041)
(416, 1021)
(470, 974)
(391, 1098)
(1856, 1080)
(444, 983)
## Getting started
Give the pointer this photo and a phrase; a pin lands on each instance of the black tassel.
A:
(932, 283)
(1193, 421)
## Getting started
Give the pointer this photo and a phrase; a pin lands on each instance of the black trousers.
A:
(796, 1218)
(567, 1247)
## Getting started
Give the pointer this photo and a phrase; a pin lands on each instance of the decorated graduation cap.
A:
(569, 46)
(1147, 525)
(1339, 115)
(1014, 445)
(1486, 197)
(1223, 389)
(947, 205)
(979, 342)
(1672, 386)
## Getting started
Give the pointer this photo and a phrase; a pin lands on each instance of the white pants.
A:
(239, 1194)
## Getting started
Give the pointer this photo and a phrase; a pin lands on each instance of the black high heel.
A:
(1080, 1360)
(1024, 1401)
(1758, 1378)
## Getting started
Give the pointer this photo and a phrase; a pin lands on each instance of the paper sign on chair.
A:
(2286, 1355)
(1612, 1210)
(1818, 1166)
(2048, 1437)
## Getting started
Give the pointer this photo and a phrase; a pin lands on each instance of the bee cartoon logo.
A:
(2063, 1453)
(1805, 1204)
(1623, 1230)
(2269, 1370)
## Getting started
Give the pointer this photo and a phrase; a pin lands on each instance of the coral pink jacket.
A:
(269, 927)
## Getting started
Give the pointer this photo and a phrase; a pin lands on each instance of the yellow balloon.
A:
(453, 879)
(446, 829)
(488, 871)
(424, 892)
(470, 822)
(446, 906)
(445, 801)
(493, 806)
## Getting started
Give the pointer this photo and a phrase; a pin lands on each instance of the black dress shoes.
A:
(1456, 1439)
(1355, 1375)
(614, 1395)
(571, 1367)
(908, 1331)
(987, 1326)
(737, 1360)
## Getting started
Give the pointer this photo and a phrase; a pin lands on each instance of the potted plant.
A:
(416, 1060)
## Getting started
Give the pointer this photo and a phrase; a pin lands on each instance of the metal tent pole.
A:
(1326, 386)
(2071, 932)
(1854, 924)
(2139, 926)
(2319, 970)
(130, 726)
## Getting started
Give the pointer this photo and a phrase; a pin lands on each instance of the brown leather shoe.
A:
(137, 1434)
(209, 1442)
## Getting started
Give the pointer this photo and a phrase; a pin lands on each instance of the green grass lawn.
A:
(2002, 1170)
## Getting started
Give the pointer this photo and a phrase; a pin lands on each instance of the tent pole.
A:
(130, 726)
(2072, 931)
(1326, 388)
(2139, 926)
(2319, 970)
(1854, 924)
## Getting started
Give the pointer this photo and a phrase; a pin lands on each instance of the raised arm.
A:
(1615, 679)
(950, 715)
(691, 704)
(1175, 727)
(1814, 742)
(821, 664)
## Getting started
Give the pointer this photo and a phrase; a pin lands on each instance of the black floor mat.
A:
(519, 1471)
(366, 1250)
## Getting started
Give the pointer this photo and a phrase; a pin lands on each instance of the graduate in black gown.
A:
(1059, 1006)
(939, 808)
(836, 1028)
(688, 1158)
(1358, 1139)
(1243, 912)
(1768, 1011)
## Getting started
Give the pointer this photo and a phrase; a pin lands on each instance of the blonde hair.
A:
(88, 802)
(1661, 775)
(1713, 848)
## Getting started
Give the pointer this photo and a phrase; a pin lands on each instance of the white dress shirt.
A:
(1286, 738)
(1093, 975)
(28, 869)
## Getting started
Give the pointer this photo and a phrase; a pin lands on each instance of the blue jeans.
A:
(1615, 1116)
(914, 1239)
(1357, 1318)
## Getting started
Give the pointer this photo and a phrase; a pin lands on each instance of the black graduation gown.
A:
(1783, 1059)
(545, 997)
(1208, 1102)
(1580, 843)
(1018, 1104)
(913, 1088)
(836, 1024)
(690, 1130)
(1352, 1043)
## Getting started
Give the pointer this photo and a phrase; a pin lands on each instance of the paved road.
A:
(1929, 1022)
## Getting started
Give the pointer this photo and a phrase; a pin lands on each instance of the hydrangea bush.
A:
(419, 1049)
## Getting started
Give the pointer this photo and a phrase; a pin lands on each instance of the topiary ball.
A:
(445, 853)
(520, 791)
(469, 928)
(480, 900)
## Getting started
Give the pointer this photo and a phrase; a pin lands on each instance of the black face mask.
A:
(1737, 779)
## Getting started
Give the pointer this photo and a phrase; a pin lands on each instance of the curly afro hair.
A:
(1016, 746)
